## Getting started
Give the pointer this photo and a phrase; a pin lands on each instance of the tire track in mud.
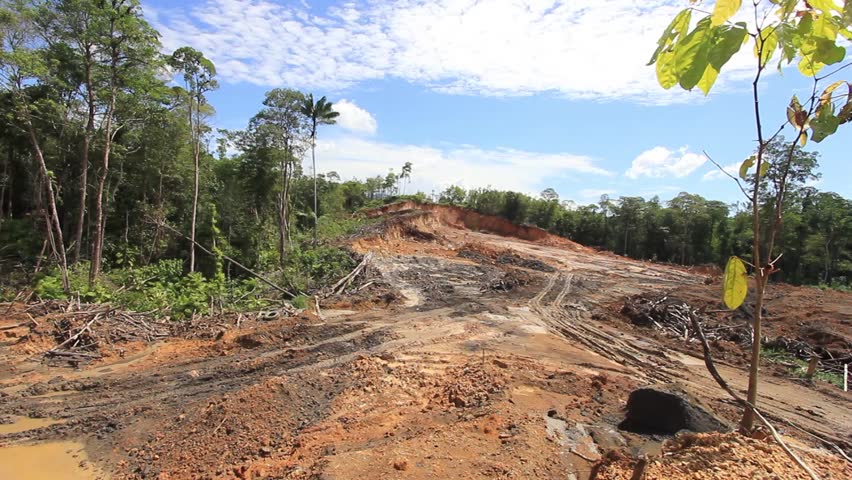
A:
(579, 326)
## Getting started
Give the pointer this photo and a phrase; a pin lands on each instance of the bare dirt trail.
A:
(483, 369)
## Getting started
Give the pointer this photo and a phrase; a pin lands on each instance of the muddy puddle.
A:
(47, 461)
(23, 424)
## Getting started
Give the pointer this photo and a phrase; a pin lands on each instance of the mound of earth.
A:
(723, 456)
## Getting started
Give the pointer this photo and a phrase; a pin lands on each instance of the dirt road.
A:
(482, 369)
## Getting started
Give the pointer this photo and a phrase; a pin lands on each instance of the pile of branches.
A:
(82, 330)
(673, 317)
(361, 271)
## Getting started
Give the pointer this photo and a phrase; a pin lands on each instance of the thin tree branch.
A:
(834, 71)
(722, 169)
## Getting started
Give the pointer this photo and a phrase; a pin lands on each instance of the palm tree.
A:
(319, 113)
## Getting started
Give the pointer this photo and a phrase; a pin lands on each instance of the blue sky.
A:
(515, 95)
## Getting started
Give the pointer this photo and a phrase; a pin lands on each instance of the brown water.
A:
(22, 424)
(47, 461)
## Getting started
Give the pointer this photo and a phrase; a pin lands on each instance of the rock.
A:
(606, 437)
(500, 363)
(265, 451)
(400, 465)
(667, 409)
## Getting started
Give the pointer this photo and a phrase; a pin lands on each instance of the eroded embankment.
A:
(463, 218)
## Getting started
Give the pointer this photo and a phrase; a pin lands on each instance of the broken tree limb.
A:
(12, 327)
(75, 336)
(236, 263)
(347, 280)
(708, 362)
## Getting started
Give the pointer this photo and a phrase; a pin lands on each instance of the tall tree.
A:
(128, 49)
(198, 73)
(320, 112)
(23, 67)
(405, 175)
(280, 132)
(77, 23)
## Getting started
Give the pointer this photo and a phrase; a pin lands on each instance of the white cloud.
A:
(716, 174)
(464, 165)
(660, 162)
(354, 118)
(577, 49)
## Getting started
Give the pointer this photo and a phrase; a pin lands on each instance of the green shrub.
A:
(161, 287)
(300, 301)
(308, 268)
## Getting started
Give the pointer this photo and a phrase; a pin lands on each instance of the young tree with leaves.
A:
(809, 33)
(198, 73)
(319, 113)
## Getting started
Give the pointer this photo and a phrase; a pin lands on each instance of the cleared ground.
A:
(468, 354)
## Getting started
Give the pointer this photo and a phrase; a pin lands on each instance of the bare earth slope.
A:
(502, 357)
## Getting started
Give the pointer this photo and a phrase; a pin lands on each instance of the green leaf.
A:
(708, 79)
(824, 122)
(724, 10)
(826, 6)
(677, 28)
(790, 40)
(764, 167)
(728, 42)
(735, 286)
(691, 55)
(828, 52)
(665, 70)
(746, 165)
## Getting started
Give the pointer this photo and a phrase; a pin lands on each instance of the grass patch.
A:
(799, 367)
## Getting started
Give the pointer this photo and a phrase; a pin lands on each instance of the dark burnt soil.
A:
(101, 406)
(479, 253)
(447, 284)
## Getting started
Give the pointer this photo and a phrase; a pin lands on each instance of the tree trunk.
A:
(98, 242)
(283, 212)
(5, 178)
(84, 158)
(314, 161)
(195, 154)
(58, 243)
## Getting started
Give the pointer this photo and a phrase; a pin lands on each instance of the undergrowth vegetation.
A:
(799, 367)
(165, 288)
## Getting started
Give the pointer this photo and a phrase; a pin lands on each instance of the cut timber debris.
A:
(344, 282)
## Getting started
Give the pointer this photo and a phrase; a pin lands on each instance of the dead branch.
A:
(344, 282)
